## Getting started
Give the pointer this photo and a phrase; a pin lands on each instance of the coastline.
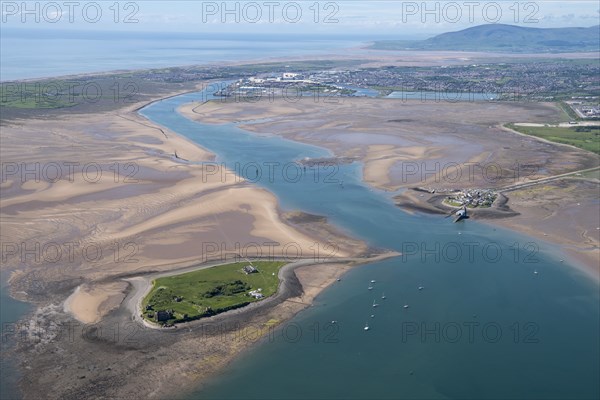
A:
(90, 287)
(143, 284)
(208, 345)
(513, 212)
(261, 318)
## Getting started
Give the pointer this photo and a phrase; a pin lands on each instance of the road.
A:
(543, 180)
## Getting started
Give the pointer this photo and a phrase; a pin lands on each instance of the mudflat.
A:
(440, 146)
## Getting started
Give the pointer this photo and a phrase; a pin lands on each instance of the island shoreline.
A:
(227, 315)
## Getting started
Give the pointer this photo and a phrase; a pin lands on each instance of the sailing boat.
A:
(383, 296)
(375, 304)
(366, 328)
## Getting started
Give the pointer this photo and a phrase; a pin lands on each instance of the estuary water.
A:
(470, 311)
(11, 311)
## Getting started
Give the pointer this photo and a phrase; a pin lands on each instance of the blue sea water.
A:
(34, 54)
(521, 335)
(484, 326)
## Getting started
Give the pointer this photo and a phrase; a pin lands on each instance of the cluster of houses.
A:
(473, 198)
(286, 76)
(288, 84)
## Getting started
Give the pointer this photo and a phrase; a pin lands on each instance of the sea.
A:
(28, 54)
(471, 311)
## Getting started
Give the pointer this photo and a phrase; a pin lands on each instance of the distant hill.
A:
(504, 38)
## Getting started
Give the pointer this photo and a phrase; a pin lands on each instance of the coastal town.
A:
(576, 84)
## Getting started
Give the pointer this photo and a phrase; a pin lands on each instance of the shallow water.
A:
(11, 311)
(48, 53)
(484, 325)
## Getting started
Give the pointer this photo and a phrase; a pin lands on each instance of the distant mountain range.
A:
(504, 38)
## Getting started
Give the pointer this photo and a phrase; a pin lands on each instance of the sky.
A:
(408, 19)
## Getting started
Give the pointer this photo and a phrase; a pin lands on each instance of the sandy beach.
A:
(111, 201)
(131, 361)
(111, 183)
(151, 212)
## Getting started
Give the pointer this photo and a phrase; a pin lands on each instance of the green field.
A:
(209, 291)
(584, 137)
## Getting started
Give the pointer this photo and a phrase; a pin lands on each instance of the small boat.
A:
(406, 306)
(372, 315)
(338, 279)
(421, 288)
(535, 272)
(370, 287)
(372, 280)
(383, 296)
(366, 328)
(375, 304)
(334, 321)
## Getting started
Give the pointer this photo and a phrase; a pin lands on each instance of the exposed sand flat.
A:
(103, 195)
(435, 144)
(314, 278)
(155, 363)
(162, 215)
(377, 58)
(390, 134)
(563, 212)
(89, 304)
(380, 159)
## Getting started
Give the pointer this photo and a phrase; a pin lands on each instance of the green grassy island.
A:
(210, 291)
